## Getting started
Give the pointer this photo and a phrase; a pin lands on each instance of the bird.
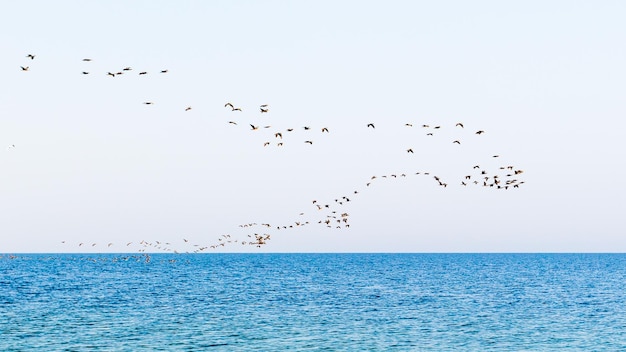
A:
(278, 135)
(164, 71)
(111, 74)
(188, 108)
(143, 73)
(127, 69)
(457, 142)
(232, 122)
(309, 142)
(480, 132)
(324, 129)
(254, 128)
(86, 59)
(25, 68)
(409, 150)
(11, 146)
(306, 128)
(370, 125)
(85, 72)
(148, 102)
(264, 110)
(408, 124)
(31, 56)
(459, 124)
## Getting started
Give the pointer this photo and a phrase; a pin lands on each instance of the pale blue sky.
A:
(92, 164)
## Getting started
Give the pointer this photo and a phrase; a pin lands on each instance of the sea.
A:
(313, 302)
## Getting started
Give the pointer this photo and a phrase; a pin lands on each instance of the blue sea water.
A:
(313, 302)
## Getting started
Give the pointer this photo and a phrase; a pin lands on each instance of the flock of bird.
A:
(331, 214)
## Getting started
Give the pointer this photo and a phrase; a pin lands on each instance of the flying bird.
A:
(459, 124)
(370, 125)
(25, 68)
(31, 56)
(410, 151)
(324, 129)
(457, 142)
(480, 132)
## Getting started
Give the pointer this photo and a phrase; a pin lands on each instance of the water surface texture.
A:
(313, 302)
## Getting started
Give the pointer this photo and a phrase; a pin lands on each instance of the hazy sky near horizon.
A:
(545, 80)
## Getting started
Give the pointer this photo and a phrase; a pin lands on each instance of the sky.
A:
(84, 160)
